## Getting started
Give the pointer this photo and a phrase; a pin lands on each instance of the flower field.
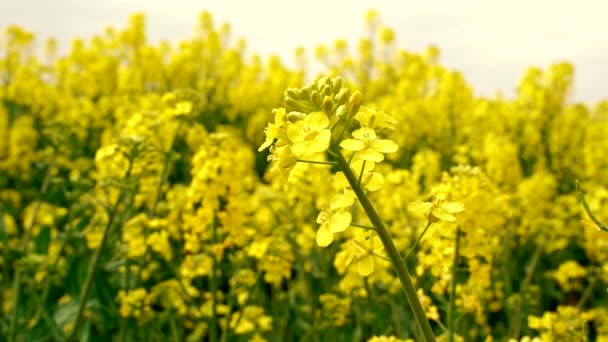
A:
(195, 191)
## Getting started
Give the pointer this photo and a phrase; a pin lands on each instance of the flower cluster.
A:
(141, 197)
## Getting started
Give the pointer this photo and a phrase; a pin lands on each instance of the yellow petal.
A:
(358, 164)
(340, 181)
(364, 133)
(385, 146)
(374, 181)
(420, 208)
(317, 121)
(295, 132)
(365, 265)
(265, 145)
(352, 144)
(340, 221)
(371, 155)
(443, 214)
(321, 142)
(324, 236)
(453, 207)
(341, 201)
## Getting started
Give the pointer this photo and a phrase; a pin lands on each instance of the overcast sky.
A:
(491, 42)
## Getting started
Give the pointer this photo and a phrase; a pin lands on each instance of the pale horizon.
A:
(492, 44)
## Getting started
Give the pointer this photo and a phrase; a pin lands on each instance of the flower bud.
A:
(292, 93)
(355, 102)
(337, 84)
(341, 111)
(315, 98)
(304, 93)
(326, 90)
(291, 103)
(343, 96)
(295, 116)
(322, 82)
(327, 105)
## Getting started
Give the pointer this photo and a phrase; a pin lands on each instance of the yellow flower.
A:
(362, 253)
(334, 219)
(310, 135)
(276, 130)
(375, 119)
(369, 148)
(283, 161)
(436, 210)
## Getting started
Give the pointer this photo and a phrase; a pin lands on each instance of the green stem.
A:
(361, 173)
(417, 241)
(362, 226)
(213, 327)
(587, 293)
(581, 196)
(452, 303)
(316, 162)
(88, 283)
(522, 290)
(23, 246)
(389, 246)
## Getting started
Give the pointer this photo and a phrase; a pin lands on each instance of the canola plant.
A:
(189, 191)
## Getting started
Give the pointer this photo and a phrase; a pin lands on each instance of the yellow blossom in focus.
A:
(368, 147)
(310, 135)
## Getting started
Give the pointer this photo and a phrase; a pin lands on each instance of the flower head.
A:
(310, 135)
(367, 145)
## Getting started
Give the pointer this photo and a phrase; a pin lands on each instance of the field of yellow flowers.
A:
(191, 192)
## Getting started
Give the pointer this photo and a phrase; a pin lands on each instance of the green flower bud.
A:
(315, 98)
(326, 90)
(337, 84)
(292, 93)
(341, 110)
(305, 92)
(328, 105)
(322, 82)
(343, 96)
(291, 103)
(355, 102)
(295, 116)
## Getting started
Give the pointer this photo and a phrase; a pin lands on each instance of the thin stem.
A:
(581, 196)
(350, 117)
(24, 244)
(361, 172)
(213, 328)
(428, 225)
(88, 283)
(587, 293)
(452, 303)
(362, 226)
(380, 256)
(316, 162)
(522, 290)
(391, 249)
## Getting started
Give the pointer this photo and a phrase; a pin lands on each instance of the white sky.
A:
(491, 42)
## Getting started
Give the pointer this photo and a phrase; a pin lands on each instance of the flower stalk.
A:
(389, 246)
